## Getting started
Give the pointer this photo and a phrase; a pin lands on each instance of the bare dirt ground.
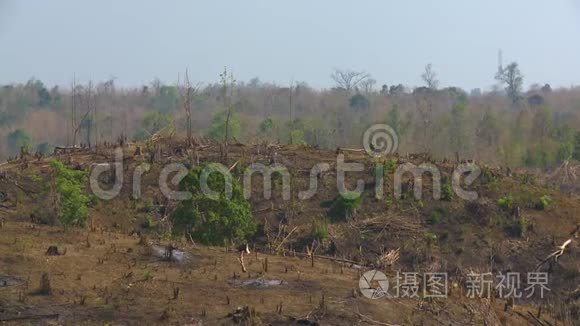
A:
(112, 279)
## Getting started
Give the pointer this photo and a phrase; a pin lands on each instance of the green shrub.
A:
(506, 203)
(436, 216)
(319, 229)
(527, 179)
(430, 237)
(345, 205)
(447, 193)
(212, 220)
(389, 202)
(132, 203)
(72, 205)
(147, 206)
(17, 140)
(488, 176)
(266, 126)
(44, 148)
(391, 165)
(382, 169)
(147, 275)
(152, 123)
(297, 137)
(42, 215)
(148, 222)
(420, 203)
(217, 130)
(35, 177)
(522, 226)
(544, 203)
(489, 180)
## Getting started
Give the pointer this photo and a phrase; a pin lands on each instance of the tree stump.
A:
(45, 288)
(52, 251)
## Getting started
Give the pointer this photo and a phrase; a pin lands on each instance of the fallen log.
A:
(36, 317)
(335, 259)
(352, 150)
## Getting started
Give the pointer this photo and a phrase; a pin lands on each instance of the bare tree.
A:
(73, 109)
(90, 121)
(96, 118)
(107, 89)
(512, 78)
(348, 79)
(75, 123)
(430, 77)
(290, 94)
(187, 106)
(186, 94)
(425, 110)
(368, 85)
(228, 82)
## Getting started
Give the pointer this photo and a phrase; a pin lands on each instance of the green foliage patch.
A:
(345, 205)
(213, 220)
(72, 202)
(506, 203)
(544, 203)
(319, 229)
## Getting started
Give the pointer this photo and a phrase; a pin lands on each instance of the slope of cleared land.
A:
(115, 271)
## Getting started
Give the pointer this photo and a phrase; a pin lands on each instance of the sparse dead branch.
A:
(372, 321)
(286, 238)
(556, 254)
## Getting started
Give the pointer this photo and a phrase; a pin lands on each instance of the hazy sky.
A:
(137, 40)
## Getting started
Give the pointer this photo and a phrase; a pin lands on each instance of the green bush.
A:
(297, 137)
(72, 205)
(436, 216)
(520, 227)
(35, 177)
(488, 179)
(212, 220)
(506, 203)
(266, 126)
(544, 203)
(391, 165)
(527, 179)
(217, 129)
(147, 222)
(389, 202)
(44, 148)
(447, 193)
(420, 203)
(18, 139)
(152, 123)
(345, 205)
(147, 206)
(387, 167)
(319, 229)
(565, 152)
(430, 237)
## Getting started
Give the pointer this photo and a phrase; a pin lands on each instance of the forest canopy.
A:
(508, 125)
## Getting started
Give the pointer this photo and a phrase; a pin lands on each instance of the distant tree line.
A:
(539, 127)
